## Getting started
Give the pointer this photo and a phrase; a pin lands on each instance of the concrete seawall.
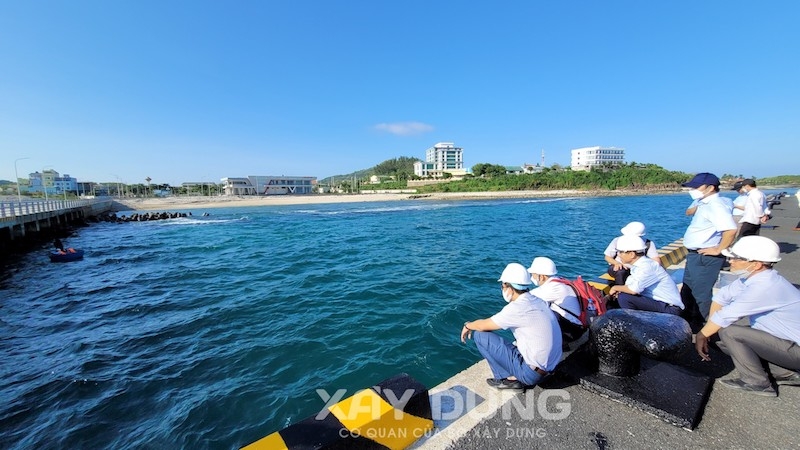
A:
(23, 225)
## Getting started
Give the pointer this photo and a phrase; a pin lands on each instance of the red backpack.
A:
(588, 295)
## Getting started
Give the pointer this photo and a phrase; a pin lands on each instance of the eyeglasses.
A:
(735, 257)
(731, 259)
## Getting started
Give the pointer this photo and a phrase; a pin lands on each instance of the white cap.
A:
(516, 275)
(755, 248)
(633, 229)
(630, 244)
(542, 265)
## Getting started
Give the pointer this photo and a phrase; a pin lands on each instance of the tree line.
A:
(634, 176)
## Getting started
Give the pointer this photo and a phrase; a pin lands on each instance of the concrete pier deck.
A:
(21, 221)
(564, 415)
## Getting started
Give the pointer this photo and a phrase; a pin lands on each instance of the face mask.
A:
(743, 273)
(506, 295)
(535, 281)
(696, 194)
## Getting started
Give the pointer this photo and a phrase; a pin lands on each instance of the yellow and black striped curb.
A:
(673, 253)
(390, 415)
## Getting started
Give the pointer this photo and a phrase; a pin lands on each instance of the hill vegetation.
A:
(492, 177)
(631, 176)
(791, 180)
(401, 168)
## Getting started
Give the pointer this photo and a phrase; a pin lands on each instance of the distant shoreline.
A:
(198, 202)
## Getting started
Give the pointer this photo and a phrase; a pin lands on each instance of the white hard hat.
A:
(755, 248)
(542, 265)
(516, 275)
(633, 229)
(630, 243)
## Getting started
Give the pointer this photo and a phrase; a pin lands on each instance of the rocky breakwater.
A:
(136, 217)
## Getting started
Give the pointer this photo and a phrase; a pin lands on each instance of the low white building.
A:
(587, 157)
(269, 185)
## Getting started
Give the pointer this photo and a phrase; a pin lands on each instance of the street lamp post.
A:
(19, 195)
(118, 187)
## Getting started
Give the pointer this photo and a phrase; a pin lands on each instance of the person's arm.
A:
(692, 208)
(610, 255)
(714, 308)
(613, 262)
(477, 325)
(727, 240)
(701, 339)
(621, 288)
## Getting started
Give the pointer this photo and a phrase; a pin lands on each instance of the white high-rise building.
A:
(442, 157)
(587, 157)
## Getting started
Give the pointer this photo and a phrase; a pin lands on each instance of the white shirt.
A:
(535, 328)
(611, 250)
(649, 279)
(754, 207)
(561, 298)
(712, 217)
(771, 302)
(739, 201)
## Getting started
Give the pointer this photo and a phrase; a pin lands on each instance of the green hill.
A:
(401, 168)
(791, 180)
(633, 176)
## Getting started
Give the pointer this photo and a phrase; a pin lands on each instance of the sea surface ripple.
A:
(212, 332)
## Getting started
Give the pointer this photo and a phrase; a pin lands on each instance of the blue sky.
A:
(198, 90)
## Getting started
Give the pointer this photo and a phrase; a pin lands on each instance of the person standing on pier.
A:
(538, 338)
(772, 305)
(712, 230)
(754, 209)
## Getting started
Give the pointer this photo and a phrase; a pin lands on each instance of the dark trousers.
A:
(748, 229)
(569, 331)
(750, 348)
(620, 276)
(699, 276)
(642, 303)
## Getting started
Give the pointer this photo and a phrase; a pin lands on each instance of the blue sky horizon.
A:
(198, 90)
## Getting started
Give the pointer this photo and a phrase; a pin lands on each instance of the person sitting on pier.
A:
(538, 348)
(772, 304)
(649, 287)
(615, 267)
(559, 296)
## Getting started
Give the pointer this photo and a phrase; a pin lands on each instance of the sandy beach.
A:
(199, 202)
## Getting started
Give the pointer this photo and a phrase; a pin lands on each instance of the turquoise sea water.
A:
(211, 332)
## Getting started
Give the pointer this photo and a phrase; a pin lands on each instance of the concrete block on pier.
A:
(391, 415)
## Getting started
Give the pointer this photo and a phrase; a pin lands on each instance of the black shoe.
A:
(512, 384)
(738, 384)
(494, 382)
(791, 380)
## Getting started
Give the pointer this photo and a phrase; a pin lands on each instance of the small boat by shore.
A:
(68, 256)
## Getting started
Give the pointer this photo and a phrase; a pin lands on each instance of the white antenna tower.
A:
(542, 157)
